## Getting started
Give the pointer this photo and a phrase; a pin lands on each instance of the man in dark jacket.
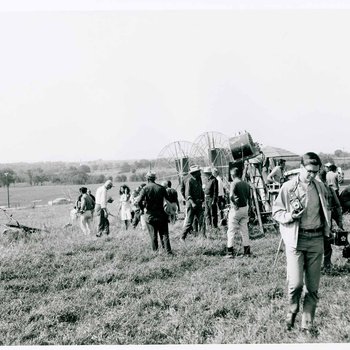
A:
(194, 196)
(173, 201)
(152, 200)
(211, 198)
(336, 214)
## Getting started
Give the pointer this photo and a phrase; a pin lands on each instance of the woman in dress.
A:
(125, 205)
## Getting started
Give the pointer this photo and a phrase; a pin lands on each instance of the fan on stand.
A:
(175, 159)
(216, 147)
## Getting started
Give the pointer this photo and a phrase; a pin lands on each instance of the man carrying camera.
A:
(301, 209)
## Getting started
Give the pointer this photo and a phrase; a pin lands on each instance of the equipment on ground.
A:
(14, 225)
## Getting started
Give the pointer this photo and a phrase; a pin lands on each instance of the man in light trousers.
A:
(301, 210)
(238, 215)
(86, 212)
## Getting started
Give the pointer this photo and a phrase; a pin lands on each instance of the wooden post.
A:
(257, 208)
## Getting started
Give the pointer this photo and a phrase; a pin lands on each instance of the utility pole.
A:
(8, 189)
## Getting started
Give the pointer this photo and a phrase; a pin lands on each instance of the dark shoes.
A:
(247, 252)
(310, 331)
(290, 320)
(229, 253)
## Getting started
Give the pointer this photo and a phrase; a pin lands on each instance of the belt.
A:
(311, 232)
(307, 230)
(239, 206)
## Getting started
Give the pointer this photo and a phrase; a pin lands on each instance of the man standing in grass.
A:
(86, 211)
(173, 201)
(238, 215)
(335, 213)
(211, 198)
(151, 199)
(301, 210)
(221, 193)
(101, 208)
(194, 196)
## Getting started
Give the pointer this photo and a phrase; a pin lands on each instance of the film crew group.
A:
(302, 212)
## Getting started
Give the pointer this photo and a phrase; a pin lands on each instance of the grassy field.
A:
(64, 288)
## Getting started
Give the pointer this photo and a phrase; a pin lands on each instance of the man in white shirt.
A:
(332, 178)
(101, 208)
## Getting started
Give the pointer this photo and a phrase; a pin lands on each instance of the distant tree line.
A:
(339, 158)
(72, 173)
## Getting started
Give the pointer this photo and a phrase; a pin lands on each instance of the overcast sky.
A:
(85, 80)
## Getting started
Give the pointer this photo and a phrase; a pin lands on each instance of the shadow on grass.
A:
(337, 270)
(215, 252)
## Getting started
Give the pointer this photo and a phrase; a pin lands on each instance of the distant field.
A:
(23, 196)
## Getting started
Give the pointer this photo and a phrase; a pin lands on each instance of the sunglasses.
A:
(312, 171)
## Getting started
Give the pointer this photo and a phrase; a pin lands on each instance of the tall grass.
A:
(65, 288)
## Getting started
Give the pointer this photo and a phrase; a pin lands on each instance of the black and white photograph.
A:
(175, 174)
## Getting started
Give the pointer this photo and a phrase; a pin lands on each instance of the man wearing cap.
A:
(101, 208)
(194, 196)
(152, 198)
(211, 198)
